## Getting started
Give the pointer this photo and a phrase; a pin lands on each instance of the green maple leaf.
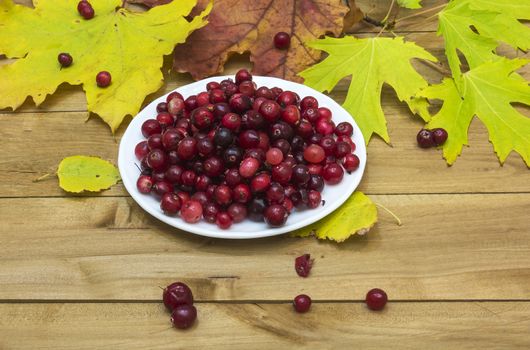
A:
(410, 4)
(131, 46)
(370, 62)
(488, 92)
(476, 27)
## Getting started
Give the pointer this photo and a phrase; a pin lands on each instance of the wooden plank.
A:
(470, 325)
(450, 247)
(34, 144)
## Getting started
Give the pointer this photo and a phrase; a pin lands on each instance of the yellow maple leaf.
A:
(129, 45)
(83, 173)
(357, 215)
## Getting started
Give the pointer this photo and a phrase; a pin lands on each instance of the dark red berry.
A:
(270, 110)
(170, 203)
(223, 220)
(282, 40)
(302, 303)
(425, 138)
(350, 162)
(308, 102)
(65, 60)
(332, 173)
(177, 294)
(243, 75)
(237, 211)
(191, 211)
(103, 79)
(184, 316)
(376, 299)
(141, 150)
(440, 136)
(260, 183)
(344, 129)
(144, 184)
(85, 9)
(275, 215)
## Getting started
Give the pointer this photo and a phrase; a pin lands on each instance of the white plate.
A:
(334, 195)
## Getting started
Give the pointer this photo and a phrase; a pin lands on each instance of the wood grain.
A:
(473, 325)
(451, 247)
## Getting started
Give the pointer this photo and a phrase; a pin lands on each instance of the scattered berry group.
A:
(178, 299)
(239, 151)
(431, 138)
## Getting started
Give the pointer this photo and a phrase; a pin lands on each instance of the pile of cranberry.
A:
(239, 151)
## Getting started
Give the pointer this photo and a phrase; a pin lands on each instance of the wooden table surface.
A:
(84, 271)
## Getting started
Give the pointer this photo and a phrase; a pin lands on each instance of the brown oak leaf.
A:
(238, 26)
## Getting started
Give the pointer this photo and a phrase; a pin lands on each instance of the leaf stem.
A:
(437, 67)
(389, 11)
(398, 220)
(43, 177)
(420, 13)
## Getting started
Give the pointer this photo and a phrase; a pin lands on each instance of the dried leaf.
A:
(238, 26)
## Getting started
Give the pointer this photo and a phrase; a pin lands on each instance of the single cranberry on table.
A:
(302, 303)
(183, 317)
(376, 299)
(425, 138)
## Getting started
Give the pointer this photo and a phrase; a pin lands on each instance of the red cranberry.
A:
(249, 166)
(270, 110)
(176, 106)
(223, 195)
(439, 136)
(157, 159)
(223, 220)
(308, 102)
(161, 107)
(342, 149)
(174, 94)
(191, 102)
(177, 294)
(316, 182)
(243, 75)
(274, 156)
(233, 177)
(65, 59)
(248, 139)
(282, 40)
(376, 299)
(85, 9)
(314, 199)
(210, 211)
(191, 211)
(332, 173)
(144, 184)
(220, 109)
(260, 183)
(425, 138)
(287, 98)
(301, 174)
(217, 96)
(276, 215)
(162, 187)
(314, 154)
(311, 115)
(304, 129)
(141, 150)
(203, 99)
(212, 85)
(231, 121)
(187, 148)
(154, 141)
(232, 156)
(103, 79)
(213, 166)
(237, 211)
(324, 113)
(303, 265)
(173, 174)
(170, 203)
(302, 303)
(275, 194)
(344, 129)
(242, 193)
(247, 88)
(240, 103)
(223, 137)
(184, 316)
(255, 209)
(291, 115)
(282, 173)
(350, 162)
(324, 127)
(264, 92)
